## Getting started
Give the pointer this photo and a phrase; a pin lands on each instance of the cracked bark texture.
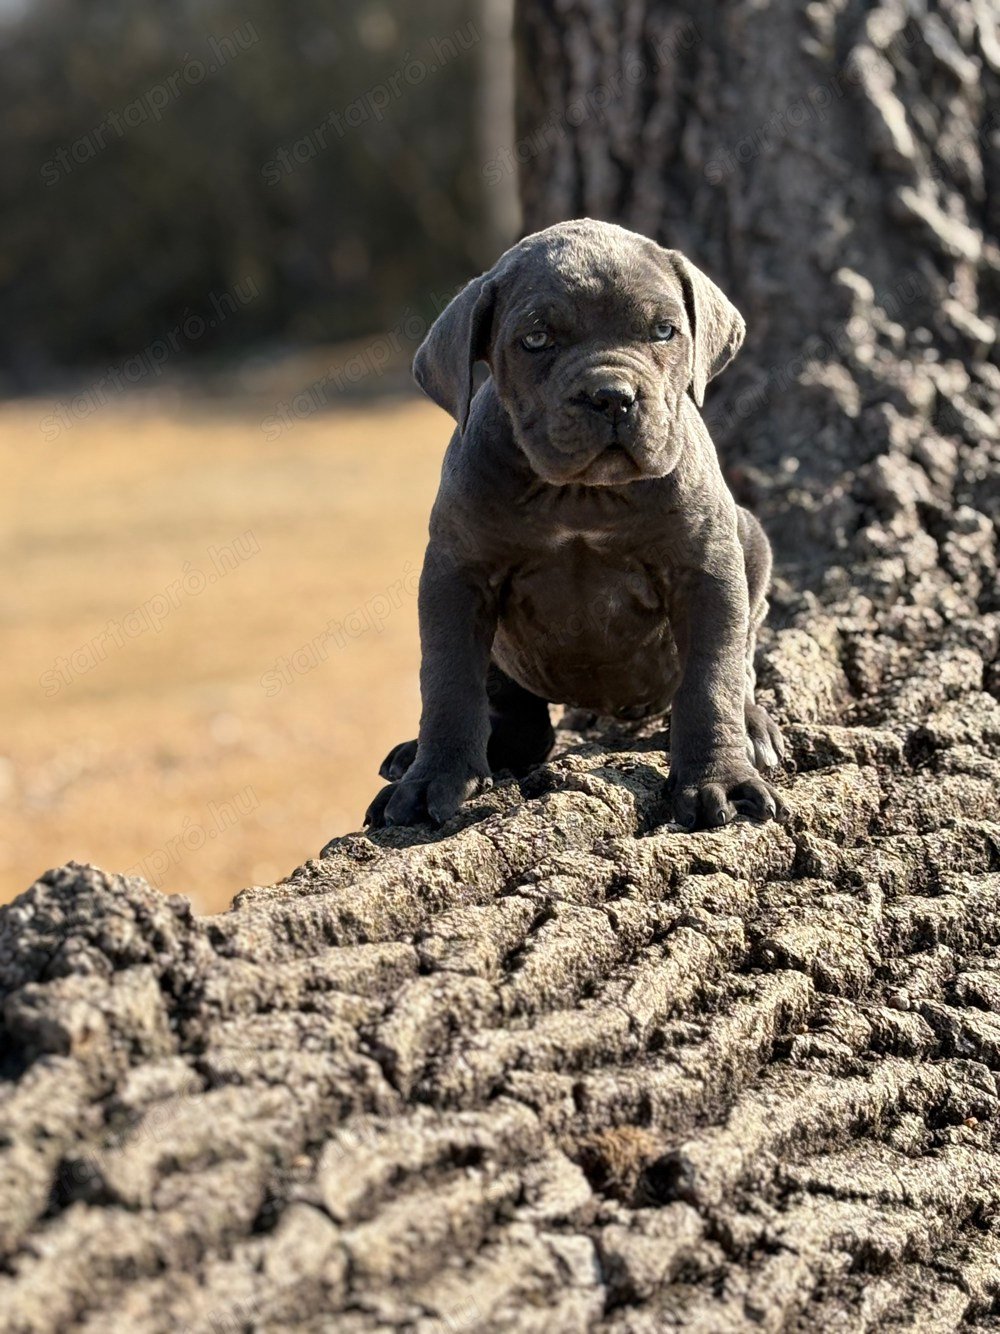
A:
(560, 1067)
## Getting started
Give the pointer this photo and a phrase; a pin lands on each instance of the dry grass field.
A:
(211, 634)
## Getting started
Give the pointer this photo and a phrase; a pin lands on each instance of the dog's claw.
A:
(414, 800)
(765, 744)
(714, 801)
(375, 814)
(398, 761)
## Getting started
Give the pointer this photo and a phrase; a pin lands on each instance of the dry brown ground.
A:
(166, 751)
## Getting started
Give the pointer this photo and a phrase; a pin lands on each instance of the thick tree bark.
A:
(836, 166)
(562, 1068)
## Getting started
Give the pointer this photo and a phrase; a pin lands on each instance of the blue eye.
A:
(662, 332)
(536, 340)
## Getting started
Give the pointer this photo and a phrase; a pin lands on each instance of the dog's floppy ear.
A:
(457, 339)
(717, 327)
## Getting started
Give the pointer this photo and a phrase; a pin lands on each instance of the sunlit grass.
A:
(152, 719)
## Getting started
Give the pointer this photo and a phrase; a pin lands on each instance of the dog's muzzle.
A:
(607, 410)
(613, 399)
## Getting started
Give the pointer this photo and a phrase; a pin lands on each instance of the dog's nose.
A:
(612, 400)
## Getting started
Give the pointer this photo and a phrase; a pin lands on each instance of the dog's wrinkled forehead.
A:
(592, 275)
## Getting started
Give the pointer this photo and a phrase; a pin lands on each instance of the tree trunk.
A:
(836, 167)
(561, 1068)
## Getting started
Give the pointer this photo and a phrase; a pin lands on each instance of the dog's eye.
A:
(662, 332)
(536, 340)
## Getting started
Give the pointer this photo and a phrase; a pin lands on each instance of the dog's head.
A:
(593, 335)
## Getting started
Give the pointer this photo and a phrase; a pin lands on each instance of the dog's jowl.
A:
(584, 548)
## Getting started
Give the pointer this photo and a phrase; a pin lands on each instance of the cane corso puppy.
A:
(584, 548)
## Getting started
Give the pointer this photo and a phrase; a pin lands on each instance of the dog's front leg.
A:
(457, 623)
(711, 778)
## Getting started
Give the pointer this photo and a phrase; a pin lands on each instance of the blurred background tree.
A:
(155, 154)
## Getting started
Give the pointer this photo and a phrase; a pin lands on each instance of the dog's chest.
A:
(579, 575)
(585, 621)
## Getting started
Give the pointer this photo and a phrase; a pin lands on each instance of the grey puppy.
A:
(584, 547)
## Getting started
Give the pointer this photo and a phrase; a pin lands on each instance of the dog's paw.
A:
(416, 799)
(765, 744)
(711, 796)
(399, 759)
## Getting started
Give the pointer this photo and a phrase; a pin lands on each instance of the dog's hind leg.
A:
(765, 744)
(521, 732)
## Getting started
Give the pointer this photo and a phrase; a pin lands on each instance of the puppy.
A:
(584, 548)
